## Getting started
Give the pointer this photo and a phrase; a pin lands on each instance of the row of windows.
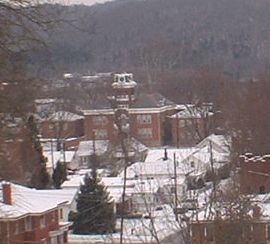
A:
(144, 119)
(57, 126)
(29, 223)
(145, 133)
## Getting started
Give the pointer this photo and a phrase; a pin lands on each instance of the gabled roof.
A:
(26, 201)
(220, 143)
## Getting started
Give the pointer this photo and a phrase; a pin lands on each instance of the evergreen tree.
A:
(95, 209)
(40, 178)
(59, 175)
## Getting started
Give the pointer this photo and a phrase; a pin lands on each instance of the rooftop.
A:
(32, 201)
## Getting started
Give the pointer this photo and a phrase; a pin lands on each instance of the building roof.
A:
(192, 112)
(53, 158)
(32, 201)
(86, 148)
(151, 100)
(143, 100)
(157, 169)
(64, 116)
(220, 143)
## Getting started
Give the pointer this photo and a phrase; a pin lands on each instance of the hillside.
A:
(228, 35)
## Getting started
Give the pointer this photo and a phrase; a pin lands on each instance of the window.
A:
(100, 120)
(144, 119)
(44, 241)
(65, 126)
(28, 223)
(181, 123)
(192, 164)
(262, 190)
(268, 232)
(61, 213)
(54, 240)
(209, 233)
(17, 227)
(54, 216)
(51, 126)
(145, 133)
(42, 221)
(101, 134)
(123, 106)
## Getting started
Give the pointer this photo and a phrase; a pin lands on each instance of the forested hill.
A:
(232, 36)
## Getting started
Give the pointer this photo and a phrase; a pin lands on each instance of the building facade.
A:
(255, 174)
(145, 112)
(26, 216)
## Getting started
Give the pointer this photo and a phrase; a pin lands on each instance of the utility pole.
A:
(52, 151)
(175, 187)
(212, 169)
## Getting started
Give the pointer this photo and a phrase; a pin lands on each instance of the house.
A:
(219, 143)
(254, 174)
(45, 107)
(53, 157)
(145, 113)
(86, 149)
(30, 216)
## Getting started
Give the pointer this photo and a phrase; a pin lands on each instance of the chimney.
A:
(6, 188)
(256, 212)
(165, 154)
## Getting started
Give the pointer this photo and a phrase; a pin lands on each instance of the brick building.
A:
(64, 127)
(255, 174)
(145, 112)
(254, 230)
(62, 124)
(17, 151)
(192, 124)
(29, 216)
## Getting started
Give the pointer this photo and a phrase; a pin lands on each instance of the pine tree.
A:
(40, 178)
(95, 209)
(59, 175)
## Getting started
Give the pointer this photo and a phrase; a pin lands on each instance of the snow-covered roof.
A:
(157, 169)
(32, 201)
(220, 143)
(64, 116)
(158, 153)
(53, 158)
(86, 148)
(192, 112)
(205, 156)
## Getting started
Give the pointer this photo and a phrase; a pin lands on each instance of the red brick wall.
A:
(199, 236)
(18, 154)
(71, 129)
(156, 139)
(254, 174)
(35, 235)
(89, 126)
(157, 126)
